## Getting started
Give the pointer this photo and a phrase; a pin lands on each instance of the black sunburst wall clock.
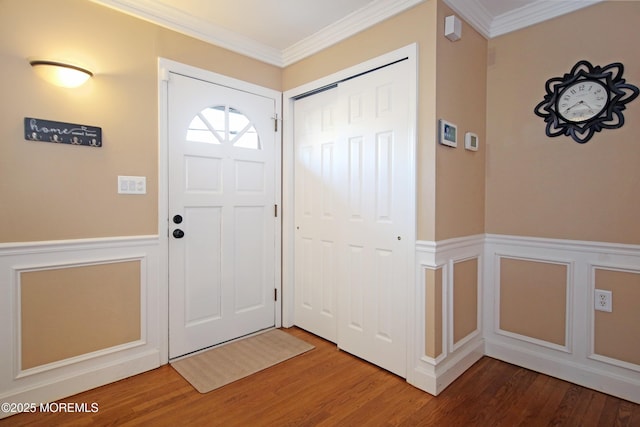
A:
(585, 101)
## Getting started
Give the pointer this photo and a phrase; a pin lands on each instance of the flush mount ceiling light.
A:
(61, 74)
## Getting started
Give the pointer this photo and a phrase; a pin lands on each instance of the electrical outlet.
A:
(602, 300)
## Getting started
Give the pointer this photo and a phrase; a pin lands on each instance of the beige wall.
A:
(51, 191)
(461, 99)
(554, 187)
(68, 312)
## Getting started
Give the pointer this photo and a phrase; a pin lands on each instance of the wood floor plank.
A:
(580, 413)
(593, 409)
(454, 402)
(525, 411)
(328, 387)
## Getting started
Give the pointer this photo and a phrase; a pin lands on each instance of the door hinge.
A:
(275, 211)
(165, 76)
(275, 123)
(275, 294)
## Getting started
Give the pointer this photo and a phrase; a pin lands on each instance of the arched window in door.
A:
(222, 124)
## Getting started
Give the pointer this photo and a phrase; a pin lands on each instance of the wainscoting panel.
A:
(599, 350)
(557, 331)
(534, 297)
(76, 315)
(433, 311)
(70, 311)
(448, 307)
(608, 345)
(465, 301)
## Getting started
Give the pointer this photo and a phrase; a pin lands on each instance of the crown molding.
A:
(472, 11)
(535, 13)
(348, 26)
(181, 22)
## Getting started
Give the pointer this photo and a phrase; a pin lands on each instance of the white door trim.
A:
(166, 66)
(288, 162)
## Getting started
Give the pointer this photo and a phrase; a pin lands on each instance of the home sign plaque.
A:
(62, 133)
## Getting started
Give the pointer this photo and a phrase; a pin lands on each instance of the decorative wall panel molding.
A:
(568, 264)
(66, 377)
(49, 325)
(626, 299)
(476, 333)
(435, 374)
(576, 361)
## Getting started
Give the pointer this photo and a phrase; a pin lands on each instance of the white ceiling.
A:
(282, 32)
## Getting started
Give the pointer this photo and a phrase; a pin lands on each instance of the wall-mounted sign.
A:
(62, 133)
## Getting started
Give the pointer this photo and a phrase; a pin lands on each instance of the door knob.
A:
(178, 234)
(177, 219)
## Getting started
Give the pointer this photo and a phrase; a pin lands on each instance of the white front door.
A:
(222, 225)
(352, 215)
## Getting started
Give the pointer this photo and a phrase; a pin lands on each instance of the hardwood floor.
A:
(328, 387)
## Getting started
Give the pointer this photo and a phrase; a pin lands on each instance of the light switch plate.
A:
(132, 185)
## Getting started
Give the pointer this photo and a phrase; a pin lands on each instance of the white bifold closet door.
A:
(352, 215)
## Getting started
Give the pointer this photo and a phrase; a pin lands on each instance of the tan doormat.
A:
(230, 362)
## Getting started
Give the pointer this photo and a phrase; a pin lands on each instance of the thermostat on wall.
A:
(471, 141)
(448, 133)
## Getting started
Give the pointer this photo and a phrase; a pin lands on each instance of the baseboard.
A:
(434, 379)
(586, 376)
(59, 388)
